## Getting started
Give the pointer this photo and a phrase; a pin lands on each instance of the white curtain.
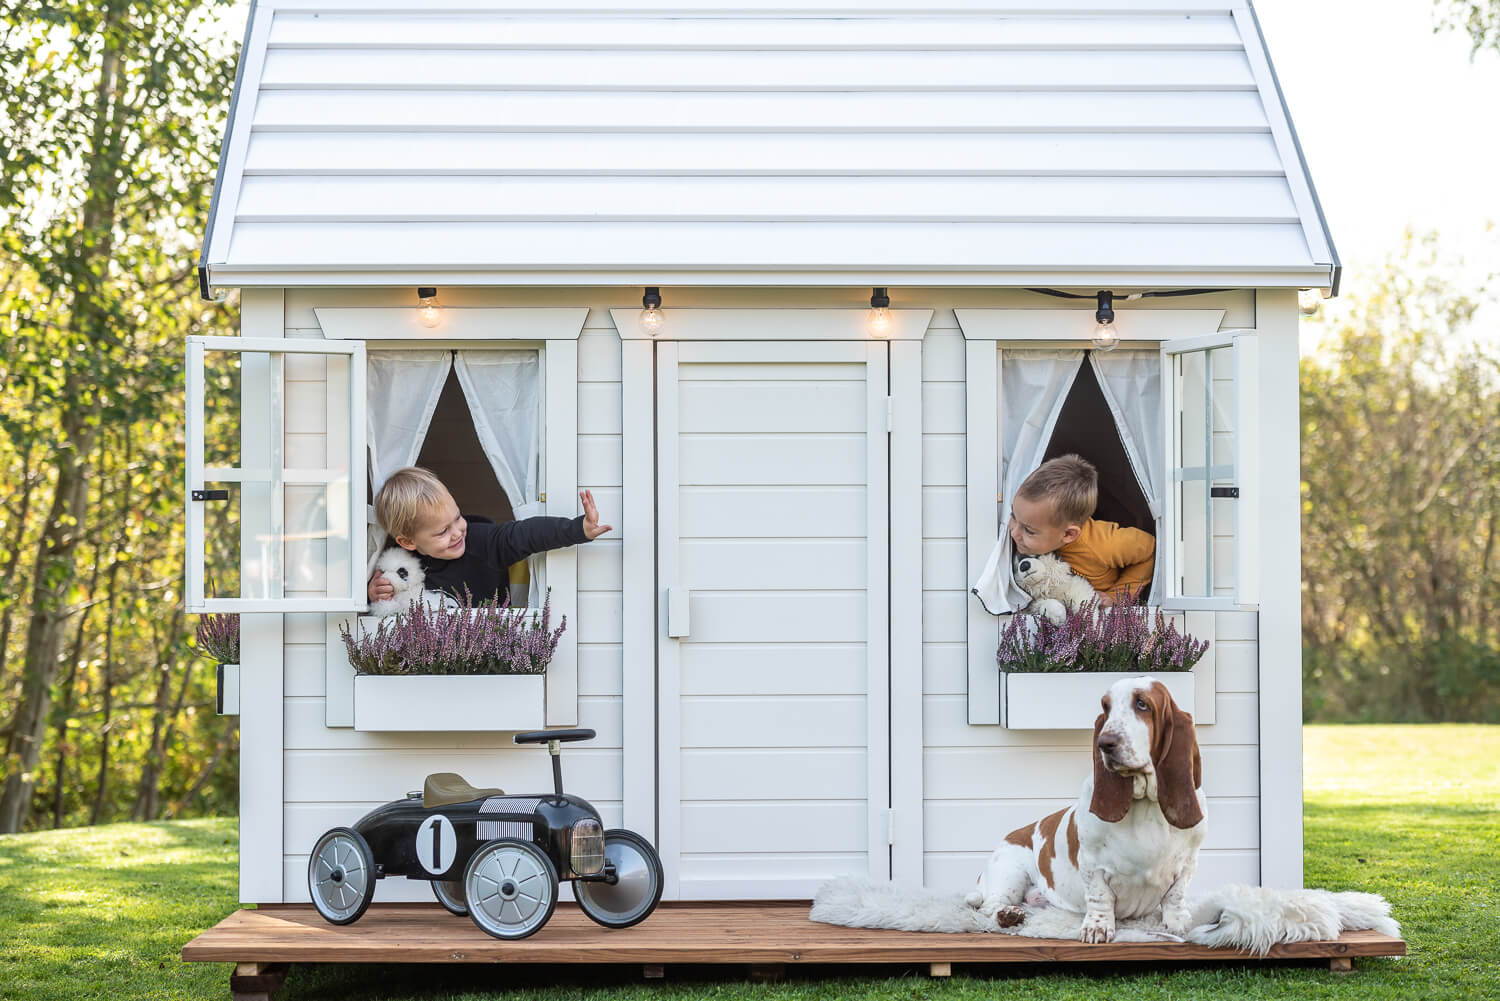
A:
(402, 389)
(1131, 382)
(504, 393)
(1033, 387)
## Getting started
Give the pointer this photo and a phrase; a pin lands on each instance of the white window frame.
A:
(553, 333)
(1244, 345)
(350, 508)
(540, 347)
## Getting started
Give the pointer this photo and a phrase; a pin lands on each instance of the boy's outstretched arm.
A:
(516, 540)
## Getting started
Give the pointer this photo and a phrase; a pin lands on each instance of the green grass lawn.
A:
(1407, 811)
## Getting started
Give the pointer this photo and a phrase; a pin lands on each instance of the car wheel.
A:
(341, 876)
(450, 893)
(511, 888)
(638, 890)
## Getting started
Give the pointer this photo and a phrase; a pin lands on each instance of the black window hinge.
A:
(210, 495)
(1223, 491)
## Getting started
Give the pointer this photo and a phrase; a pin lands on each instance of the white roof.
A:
(839, 142)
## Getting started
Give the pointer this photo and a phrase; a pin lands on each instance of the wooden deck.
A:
(766, 936)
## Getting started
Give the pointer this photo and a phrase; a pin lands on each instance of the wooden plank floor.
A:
(756, 933)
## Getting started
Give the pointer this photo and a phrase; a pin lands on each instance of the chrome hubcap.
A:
(509, 890)
(339, 877)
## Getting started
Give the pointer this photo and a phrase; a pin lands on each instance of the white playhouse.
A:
(443, 221)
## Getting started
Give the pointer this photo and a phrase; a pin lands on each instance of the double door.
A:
(773, 636)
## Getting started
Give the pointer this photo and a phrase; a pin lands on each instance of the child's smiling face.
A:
(440, 533)
(1034, 529)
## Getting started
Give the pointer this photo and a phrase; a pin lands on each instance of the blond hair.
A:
(1070, 483)
(405, 497)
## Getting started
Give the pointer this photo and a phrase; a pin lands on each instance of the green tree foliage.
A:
(1479, 19)
(110, 115)
(1401, 503)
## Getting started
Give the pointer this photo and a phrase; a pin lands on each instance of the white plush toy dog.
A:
(1054, 588)
(402, 568)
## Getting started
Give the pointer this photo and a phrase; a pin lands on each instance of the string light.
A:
(1106, 335)
(878, 319)
(429, 310)
(651, 314)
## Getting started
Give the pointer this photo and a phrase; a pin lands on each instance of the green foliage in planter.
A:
(487, 638)
(1130, 638)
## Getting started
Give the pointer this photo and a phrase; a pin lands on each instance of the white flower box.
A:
(438, 702)
(227, 690)
(1065, 700)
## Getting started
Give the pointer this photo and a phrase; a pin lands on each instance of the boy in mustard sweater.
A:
(1053, 512)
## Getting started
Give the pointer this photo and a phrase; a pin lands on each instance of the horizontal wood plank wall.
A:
(977, 781)
(335, 775)
(980, 781)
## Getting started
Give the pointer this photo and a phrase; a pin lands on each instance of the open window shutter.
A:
(1208, 383)
(275, 475)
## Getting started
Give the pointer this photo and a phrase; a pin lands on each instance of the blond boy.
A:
(459, 558)
(1053, 512)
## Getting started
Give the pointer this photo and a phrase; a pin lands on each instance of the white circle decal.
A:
(437, 844)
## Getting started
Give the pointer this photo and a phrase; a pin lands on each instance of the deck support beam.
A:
(257, 981)
(940, 969)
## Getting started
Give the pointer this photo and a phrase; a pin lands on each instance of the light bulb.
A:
(429, 310)
(1308, 301)
(1106, 336)
(878, 320)
(651, 320)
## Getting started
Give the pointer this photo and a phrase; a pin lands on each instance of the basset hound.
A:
(1129, 846)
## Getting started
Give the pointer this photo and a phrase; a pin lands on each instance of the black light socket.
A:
(879, 298)
(652, 298)
(1106, 311)
(426, 292)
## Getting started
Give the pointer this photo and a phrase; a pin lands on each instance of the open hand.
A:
(591, 526)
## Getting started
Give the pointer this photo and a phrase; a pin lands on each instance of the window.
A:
(1206, 388)
(275, 444)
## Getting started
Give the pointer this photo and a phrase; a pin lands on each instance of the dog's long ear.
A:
(1112, 792)
(1179, 769)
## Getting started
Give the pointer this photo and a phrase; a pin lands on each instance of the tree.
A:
(1480, 19)
(1401, 505)
(109, 121)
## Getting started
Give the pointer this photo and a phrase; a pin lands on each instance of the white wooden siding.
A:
(978, 781)
(1059, 139)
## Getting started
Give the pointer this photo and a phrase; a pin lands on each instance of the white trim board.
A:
(769, 324)
(1076, 323)
(458, 323)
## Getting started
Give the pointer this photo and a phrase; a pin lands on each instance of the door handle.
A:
(677, 612)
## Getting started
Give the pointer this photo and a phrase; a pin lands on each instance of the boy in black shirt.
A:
(459, 558)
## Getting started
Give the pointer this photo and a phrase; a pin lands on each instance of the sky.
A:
(1397, 124)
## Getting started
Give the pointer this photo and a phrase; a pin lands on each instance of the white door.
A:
(773, 635)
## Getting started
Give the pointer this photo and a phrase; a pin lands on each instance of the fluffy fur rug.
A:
(1236, 917)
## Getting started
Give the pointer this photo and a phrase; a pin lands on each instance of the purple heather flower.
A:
(487, 638)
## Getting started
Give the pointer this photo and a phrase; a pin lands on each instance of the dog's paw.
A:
(1010, 916)
(1176, 921)
(1097, 928)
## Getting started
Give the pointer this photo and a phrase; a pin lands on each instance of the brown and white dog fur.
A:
(1129, 846)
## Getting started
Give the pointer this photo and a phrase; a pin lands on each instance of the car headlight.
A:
(586, 853)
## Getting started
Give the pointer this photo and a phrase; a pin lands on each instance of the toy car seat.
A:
(447, 788)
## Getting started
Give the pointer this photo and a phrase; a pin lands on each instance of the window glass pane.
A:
(1204, 457)
(221, 408)
(221, 537)
(278, 425)
(1222, 509)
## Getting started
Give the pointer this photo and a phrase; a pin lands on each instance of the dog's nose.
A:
(1108, 742)
(1025, 566)
(403, 573)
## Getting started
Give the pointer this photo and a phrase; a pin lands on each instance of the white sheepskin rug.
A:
(1251, 918)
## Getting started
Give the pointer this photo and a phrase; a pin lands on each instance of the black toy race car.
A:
(496, 858)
